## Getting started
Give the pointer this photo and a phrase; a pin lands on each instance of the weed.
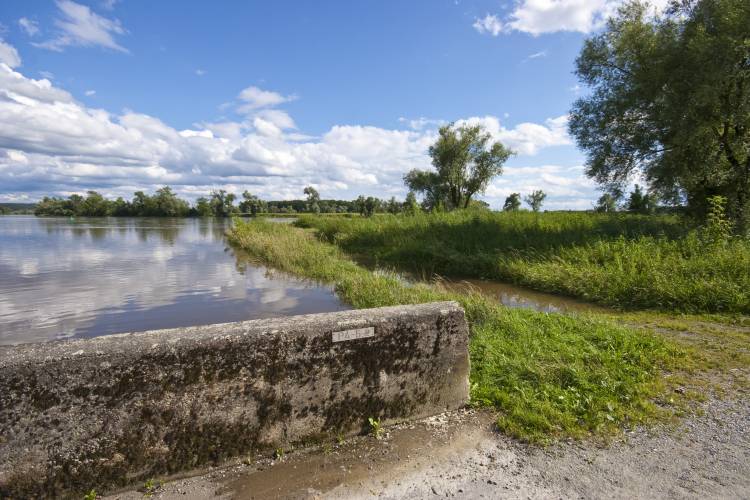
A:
(91, 495)
(278, 454)
(150, 487)
(376, 430)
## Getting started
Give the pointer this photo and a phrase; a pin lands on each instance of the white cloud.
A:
(79, 26)
(29, 26)
(280, 119)
(537, 17)
(421, 123)
(109, 4)
(255, 98)
(200, 72)
(537, 55)
(89, 93)
(525, 138)
(9, 55)
(489, 24)
(52, 144)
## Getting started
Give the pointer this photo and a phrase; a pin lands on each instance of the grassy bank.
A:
(548, 375)
(621, 260)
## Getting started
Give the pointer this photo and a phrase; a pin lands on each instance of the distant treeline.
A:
(16, 208)
(165, 203)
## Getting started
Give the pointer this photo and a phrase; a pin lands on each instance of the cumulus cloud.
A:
(489, 24)
(79, 26)
(89, 93)
(52, 144)
(29, 26)
(525, 138)
(253, 98)
(537, 17)
(9, 55)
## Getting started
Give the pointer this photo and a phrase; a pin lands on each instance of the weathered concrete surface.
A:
(111, 411)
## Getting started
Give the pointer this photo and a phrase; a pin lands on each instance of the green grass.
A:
(547, 375)
(621, 260)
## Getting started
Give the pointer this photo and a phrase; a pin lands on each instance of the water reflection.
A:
(516, 296)
(85, 277)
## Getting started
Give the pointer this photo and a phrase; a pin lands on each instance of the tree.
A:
(251, 204)
(535, 199)
(203, 207)
(641, 202)
(166, 203)
(393, 207)
(512, 202)
(94, 205)
(313, 199)
(606, 203)
(411, 207)
(222, 203)
(465, 162)
(670, 98)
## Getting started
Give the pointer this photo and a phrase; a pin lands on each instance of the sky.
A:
(126, 95)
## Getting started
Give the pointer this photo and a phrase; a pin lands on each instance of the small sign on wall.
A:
(356, 333)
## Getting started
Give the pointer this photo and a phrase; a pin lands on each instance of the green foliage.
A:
(622, 260)
(643, 203)
(376, 428)
(150, 487)
(718, 227)
(512, 202)
(535, 199)
(465, 163)
(222, 203)
(411, 207)
(670, 98)
(91, 495)
(606, 203)
(278, 454)
(548, 375)
(252, 204)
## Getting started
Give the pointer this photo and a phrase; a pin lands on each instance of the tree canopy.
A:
(670, 99)
(465, 162)
(535, 199)
(512, 202)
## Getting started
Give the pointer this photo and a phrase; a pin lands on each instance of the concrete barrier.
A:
(111, 411)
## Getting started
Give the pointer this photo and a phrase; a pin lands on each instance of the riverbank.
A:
(548, 375)
(621, 260)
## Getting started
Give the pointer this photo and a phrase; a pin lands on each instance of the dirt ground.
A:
(459, 455)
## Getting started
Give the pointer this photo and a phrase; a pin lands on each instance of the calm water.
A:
(62, 278)
(516, 296)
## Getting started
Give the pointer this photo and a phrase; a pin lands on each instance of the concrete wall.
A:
(106, 412)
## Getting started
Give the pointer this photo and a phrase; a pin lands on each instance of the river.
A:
(84, 277)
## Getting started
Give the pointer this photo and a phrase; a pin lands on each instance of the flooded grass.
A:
(620, 260)
(548, 375)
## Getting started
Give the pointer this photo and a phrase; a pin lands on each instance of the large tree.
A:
(465, 162)
(670, 99)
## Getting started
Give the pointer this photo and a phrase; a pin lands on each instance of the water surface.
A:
(517, 296)
(84, 277)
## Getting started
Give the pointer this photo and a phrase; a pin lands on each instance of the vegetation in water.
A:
(549, 375)
(624, 260)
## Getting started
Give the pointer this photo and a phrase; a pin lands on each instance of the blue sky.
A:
(272, 96)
